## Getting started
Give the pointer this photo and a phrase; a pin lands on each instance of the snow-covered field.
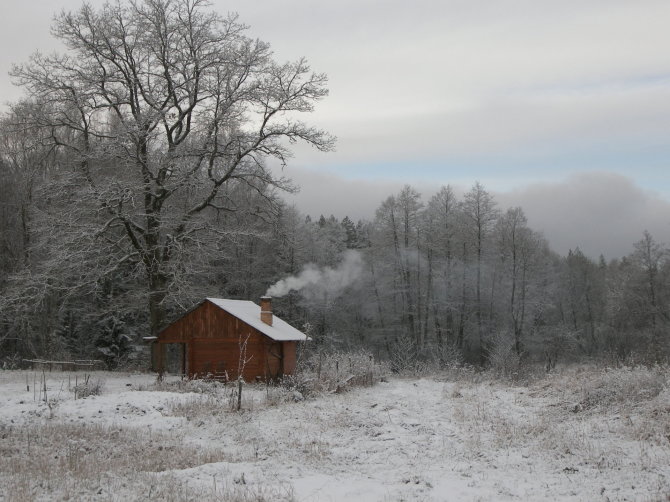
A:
(581, 434)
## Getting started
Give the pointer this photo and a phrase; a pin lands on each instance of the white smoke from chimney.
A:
(324, 279)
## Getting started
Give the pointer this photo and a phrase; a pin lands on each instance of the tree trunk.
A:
(157, 294)
(480, 331)
(461, 321)
(429, 296)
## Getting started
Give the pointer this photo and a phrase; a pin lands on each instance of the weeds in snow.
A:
(88, 387)
(621, 419)
(335, 372)
(217, 400)
(74, 459)
(184, 386)
(469, 423)
(622, 387)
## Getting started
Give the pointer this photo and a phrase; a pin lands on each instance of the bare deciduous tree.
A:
(159, 105)
(481, 212)
(520, 247)
(441, 227)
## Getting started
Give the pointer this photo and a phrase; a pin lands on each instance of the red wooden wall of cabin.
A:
(289, 352)
(215, 339)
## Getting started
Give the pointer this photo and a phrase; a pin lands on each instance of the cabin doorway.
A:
(175, 359)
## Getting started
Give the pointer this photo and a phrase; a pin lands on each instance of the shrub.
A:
(504, 362)
(407, 359)
(404, 356)
(626, 386)
(335, 372)
(88, 387)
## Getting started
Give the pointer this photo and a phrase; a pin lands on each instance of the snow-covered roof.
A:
(250, 313)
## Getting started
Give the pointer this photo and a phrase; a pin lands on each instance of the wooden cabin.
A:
(225, 338)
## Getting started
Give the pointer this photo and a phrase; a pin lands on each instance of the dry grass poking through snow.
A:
(73, 460)
(582, 433)
(608, 430)
(56, 450)
(634, 403)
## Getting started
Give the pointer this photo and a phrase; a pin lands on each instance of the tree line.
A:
(451, 277)
(460, 277)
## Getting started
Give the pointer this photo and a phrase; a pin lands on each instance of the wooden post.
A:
(161, 359)
(183, 360)
(239, 393)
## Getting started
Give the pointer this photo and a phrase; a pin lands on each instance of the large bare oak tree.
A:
(159, 105)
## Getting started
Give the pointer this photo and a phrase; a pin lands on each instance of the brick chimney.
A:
(266, 310)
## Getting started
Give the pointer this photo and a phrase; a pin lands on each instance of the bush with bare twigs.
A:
(334, 372)
(621, 387)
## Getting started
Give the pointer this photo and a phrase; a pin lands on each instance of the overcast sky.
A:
(562, 107)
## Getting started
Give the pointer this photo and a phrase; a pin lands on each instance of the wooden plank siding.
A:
(289, 360)
(214, 340)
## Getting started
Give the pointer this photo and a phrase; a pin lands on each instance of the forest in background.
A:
(134, 182)
(444, 281)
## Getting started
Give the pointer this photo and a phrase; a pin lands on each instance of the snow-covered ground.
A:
(582, 434)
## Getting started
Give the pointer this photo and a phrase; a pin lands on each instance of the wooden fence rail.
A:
(64, 365)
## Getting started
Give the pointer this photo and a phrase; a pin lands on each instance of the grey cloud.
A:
(599, 212)
(326, 193)
(518, 126)
(439, 78)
